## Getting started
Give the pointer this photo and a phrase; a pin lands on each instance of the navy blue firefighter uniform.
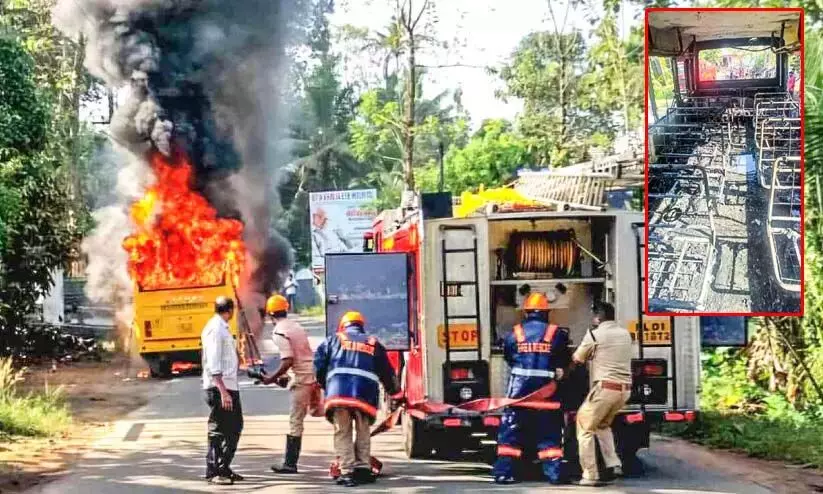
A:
(350, 366)
(533, 350)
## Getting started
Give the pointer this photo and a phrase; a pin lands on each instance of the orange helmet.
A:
(277, 303)
(536, 301)
(349, 318)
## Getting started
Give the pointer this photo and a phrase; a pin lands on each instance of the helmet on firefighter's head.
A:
(277, 303)
(536, 302)
(223, 305)
(351, 318)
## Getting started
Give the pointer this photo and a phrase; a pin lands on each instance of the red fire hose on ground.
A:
(538, 400)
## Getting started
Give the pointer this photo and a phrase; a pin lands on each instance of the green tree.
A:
(545, 71)
(616, 69)
(491, 158)
(377, 139)
(409, 31)
(34, 235)
(319, 134)
(66, 86)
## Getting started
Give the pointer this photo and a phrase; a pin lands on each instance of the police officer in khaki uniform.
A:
(608, 348)
(296, 357)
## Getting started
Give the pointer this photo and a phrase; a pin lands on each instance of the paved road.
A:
(160, 448)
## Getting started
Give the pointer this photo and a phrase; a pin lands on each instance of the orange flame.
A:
(179, 240)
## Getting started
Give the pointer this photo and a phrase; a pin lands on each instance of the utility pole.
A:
(440, 155)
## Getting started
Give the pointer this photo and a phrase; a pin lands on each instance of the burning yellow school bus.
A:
(181, 258)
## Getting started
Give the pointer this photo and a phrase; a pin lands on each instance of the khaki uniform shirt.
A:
(293, 342)
(610, 352)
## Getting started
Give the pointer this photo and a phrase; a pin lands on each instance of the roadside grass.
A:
(758, 436)
(33, 414)
(739, 414)
(312, 311)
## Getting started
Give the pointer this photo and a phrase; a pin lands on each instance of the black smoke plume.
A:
(204, 77)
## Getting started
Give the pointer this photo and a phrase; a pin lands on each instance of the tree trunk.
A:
(77, 89)
(408, 124)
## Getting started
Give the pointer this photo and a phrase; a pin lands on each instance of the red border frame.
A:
(802, 38)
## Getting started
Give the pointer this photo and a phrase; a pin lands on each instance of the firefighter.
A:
(537, 353)
(295, 355)
(350, 366)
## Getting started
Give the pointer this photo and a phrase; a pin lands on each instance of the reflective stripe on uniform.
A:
(345, 402)
(353, 371)
(549, 335)
(519, 371)
(550, 454)
(503, 450)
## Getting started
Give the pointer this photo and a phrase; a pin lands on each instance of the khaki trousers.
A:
(594, 421)
(300, 400)
(356, 453)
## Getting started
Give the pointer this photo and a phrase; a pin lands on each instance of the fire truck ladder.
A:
(581, 186)
(449, 252)
(641, 343)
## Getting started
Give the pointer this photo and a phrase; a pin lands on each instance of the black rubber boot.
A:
(293, 445)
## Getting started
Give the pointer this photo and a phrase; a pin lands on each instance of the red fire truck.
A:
(442, 291)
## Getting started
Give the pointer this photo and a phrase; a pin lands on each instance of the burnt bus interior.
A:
(724, 161)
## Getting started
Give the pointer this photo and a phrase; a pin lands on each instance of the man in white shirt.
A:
(220, 362)
(291, 292)
(296, 356)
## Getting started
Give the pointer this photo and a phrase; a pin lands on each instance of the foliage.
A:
(319, 135)
(491, 158)
(616, 72)
(545, 71)
(43, 414)
(739, 413)
(64, 85)
(377, 139)
(757, 435)
(312, 311)
(35, 234)
(23, 116)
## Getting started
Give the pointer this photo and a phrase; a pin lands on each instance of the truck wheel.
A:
(160, 368)
(415, 443)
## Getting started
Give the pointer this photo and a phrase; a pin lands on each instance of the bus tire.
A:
(415, 442)
(159, 368)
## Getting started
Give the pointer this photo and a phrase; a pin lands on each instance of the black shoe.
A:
(347, 481)
(284, 469)
(236, 477)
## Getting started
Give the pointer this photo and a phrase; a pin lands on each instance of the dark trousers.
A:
(292, 303)
(524, 431)
(225, 427)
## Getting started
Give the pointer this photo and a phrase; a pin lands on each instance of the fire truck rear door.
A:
(377, 286)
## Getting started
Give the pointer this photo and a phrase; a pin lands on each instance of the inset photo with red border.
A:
(724, 161)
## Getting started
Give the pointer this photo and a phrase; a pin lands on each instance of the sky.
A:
(486, 31)
(490, 31)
